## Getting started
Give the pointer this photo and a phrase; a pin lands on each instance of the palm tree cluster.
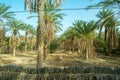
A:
(82, 35)
(4, 15)
(14, 26)
(9, 24)
(109, 22)
(49, 22)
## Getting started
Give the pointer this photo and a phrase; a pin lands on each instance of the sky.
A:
(71, 15)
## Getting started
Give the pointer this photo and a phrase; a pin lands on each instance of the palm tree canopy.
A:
(84, 29)
(107, 4)
(53, 17)
(33, 4)
(29, 28)
(80, 29)
(4, 12)
(14, 25)
(104, 16)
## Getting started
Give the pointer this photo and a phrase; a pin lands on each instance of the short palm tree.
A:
(14, 25)
(86, 33)
(70, 40)
(81, 34)
(28, 30)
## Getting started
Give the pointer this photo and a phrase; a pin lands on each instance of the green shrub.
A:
(21, 46)
(54, 46)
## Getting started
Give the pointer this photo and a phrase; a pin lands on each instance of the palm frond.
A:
(4, 12)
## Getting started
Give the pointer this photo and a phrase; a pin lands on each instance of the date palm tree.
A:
(28, 30)
(38, 6)
(81, 34)
(4, 15)
(2, 31)
(14, 26)
(107, 4)
(86, 33)
(52, 18)
(103, 21)
(33, 33)
(69, 40)
(109, 22)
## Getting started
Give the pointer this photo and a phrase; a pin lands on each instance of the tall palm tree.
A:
(38, 6)
(109, 22)
(52, 20)
(14, 25)
(2, 36)
(2, 31)
(103, 21)
(4, 15)
(118, 34)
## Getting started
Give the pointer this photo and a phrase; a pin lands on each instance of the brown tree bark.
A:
(40, 32)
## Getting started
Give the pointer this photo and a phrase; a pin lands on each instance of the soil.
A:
(58, 60)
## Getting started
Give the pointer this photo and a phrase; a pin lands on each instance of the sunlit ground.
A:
(57, 60)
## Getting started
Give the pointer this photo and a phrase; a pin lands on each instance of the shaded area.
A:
(12, 72)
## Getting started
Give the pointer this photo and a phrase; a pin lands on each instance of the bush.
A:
(21, 46)
(101, 46)
(53, 46)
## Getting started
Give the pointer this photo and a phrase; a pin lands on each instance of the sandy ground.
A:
(57, 60)
(25, 60)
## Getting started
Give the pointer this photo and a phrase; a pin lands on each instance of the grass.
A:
(58, 60)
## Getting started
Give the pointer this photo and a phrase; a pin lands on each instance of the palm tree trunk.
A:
(87, 52)
(109, 40)
(118, 41)
(10, 45)
(106, 35)
(14, 45)
(14, 51)
(40, 32)
(32, 42)
(115, 37)
(45, 50)
(79, 48)
(26, 42)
